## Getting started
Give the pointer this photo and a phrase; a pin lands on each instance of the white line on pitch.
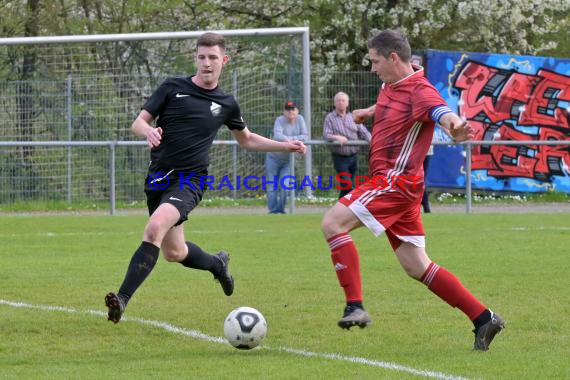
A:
(67, 234)
(541, 228)
(199, 335)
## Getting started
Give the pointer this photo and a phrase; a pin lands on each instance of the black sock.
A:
(198, 259)
(355, 304)
(483, 318)
(142, 262)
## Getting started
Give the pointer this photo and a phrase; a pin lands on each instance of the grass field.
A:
(55, 271)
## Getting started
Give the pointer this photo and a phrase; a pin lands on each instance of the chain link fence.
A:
(88, 108)
(108, 171)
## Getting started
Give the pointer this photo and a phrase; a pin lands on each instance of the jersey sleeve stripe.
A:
(437, 112)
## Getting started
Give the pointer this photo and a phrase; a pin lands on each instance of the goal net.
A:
(90, 88)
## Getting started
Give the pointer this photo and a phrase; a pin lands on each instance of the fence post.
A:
(292, 192)
(468, 178)
(234, 147)
(69, 135)
(307, 108)
(234, 170)
(112, 177)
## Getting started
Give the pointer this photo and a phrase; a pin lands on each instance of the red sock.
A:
(450, 289)
(347, 265)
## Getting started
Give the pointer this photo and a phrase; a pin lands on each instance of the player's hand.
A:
(296, 147)
(359, 116)
(341, 139)
(153, 137)
(461, 132)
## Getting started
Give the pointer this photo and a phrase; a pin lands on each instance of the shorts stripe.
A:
(366, 218)
(376, 193)
(418, 241)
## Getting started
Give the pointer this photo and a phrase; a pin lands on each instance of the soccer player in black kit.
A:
(190, 112)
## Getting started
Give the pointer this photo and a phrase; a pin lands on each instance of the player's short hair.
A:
(211, 39)
(391, 41)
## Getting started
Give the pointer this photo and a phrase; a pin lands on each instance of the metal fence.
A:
(86, 108)
(90, 88)
(93, 108)
(114, 171)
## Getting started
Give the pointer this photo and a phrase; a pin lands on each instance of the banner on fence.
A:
(504, 97)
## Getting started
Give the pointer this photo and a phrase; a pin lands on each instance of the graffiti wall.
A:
(504, 97)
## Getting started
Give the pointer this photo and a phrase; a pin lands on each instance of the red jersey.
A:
(402, 132)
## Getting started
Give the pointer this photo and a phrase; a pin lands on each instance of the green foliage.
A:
(339, 30)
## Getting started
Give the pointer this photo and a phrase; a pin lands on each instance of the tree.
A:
(27, 69)
(339, 30)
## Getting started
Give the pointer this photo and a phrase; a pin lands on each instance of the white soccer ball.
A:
(245, 328)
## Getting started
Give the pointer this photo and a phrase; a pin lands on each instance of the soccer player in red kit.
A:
(405, 114)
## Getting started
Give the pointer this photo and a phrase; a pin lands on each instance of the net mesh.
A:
(93, 92)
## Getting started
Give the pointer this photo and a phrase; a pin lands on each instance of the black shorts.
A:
(184, 197)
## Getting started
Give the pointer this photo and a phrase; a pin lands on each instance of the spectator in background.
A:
(425, 196)
(288, 127)
(340, 126)
(440, 134)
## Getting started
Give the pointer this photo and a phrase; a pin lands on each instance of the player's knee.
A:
(412, 271)
(153, 232)
(173, 255)
(329, 226)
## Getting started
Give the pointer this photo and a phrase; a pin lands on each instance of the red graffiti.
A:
(542, 105)
(497, 101)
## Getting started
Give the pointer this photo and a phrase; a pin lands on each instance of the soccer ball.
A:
(245, 328)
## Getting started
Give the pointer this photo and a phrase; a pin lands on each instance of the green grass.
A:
(517, 264)
(490, 197)
(98, 205)
(436, 197)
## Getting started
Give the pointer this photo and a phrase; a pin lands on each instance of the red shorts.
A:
(385, 210)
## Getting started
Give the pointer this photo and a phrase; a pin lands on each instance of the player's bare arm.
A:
(252, 141)
(363, 114)
(457, 128)
(142, 128)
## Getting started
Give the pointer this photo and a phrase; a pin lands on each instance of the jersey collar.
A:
(418, 72)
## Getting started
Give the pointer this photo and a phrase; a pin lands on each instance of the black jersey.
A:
(190, 117)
